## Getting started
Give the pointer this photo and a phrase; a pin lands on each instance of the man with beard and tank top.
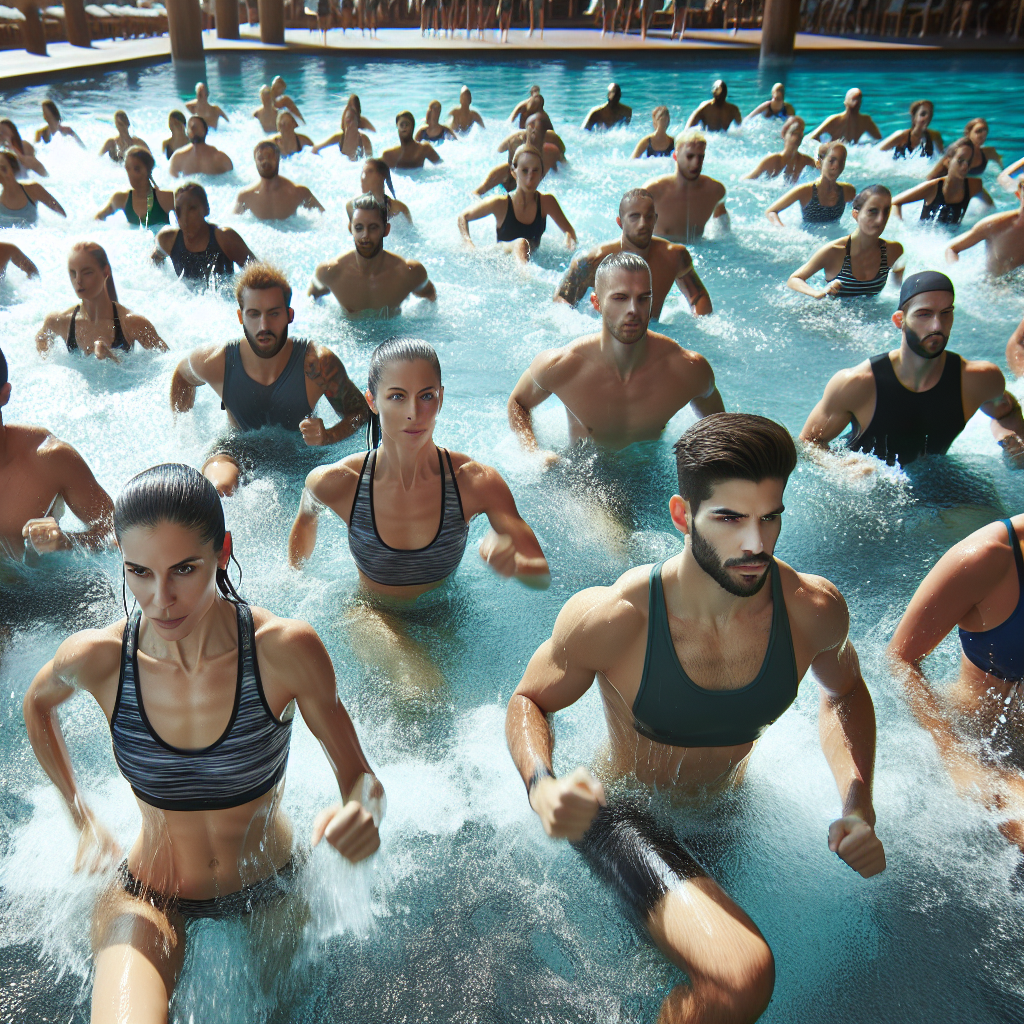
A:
(266, 379)
(1003, 235)
(695, 658)
(199, 250)
(609, 114)
(716, 114)
(686, 200)
(273, 197)
(849, 125)
(916, 400)
(670, 263)
(622, 384)
(463, 117)
(409, 154)
(202, 107)
(545, 141)
(370, 282)
(199, 157)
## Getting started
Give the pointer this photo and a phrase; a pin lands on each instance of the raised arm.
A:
(527, 395)
(11, 252)
(40, 195)
(1005, 178)
(799, 278)
(794, 195)
(577, 279)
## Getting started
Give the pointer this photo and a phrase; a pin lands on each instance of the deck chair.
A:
(892, 13)
(927, 13)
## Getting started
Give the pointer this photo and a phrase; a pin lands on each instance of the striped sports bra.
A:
(402, 567)
(815, 213)
(247, 761)
(854, 285)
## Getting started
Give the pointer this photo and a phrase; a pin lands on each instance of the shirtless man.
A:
(267, 379)
(10, 253)
(695, 658)
(409, 154)
(715, 114)
(273, 197)
(202, 107)
(266, 113)
(917, 399)
(1003, 235)
(609, 114)
(775, 107)
(279, 89)
(851, 124)
(670, 263)
(544, 141)
(370, 281)
(622, 384)
(463, 117)
(198, 157)
(687, 200)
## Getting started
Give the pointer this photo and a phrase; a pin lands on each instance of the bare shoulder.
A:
(853, 379)
(604, 619)
(561, 364)
(475, 477)
(658, 185)
(670, 252)
(57, 322)
(290, 647)
(29, 441)
(91, 657)
(330, 484)
(816, 608)
(983, 375)
(713, 185)
(661, 346)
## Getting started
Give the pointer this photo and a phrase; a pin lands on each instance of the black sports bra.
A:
(120, 341)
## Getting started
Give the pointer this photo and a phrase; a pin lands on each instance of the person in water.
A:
(266, 113)
(915, 400)
(373, 179)
(945, 200)
(365, 125)
(687, 199)
(287, 139)
(622, 384)
(350, 140)
(860, 264)
(659, 142)
(918, 139)
(143, 204)
(850, 124)
(202, 107)
(267, 378)
(10, 138)
(544, 140)
(214, 842)
(41, 475)
(790, 163)
(19, 201)
(774, 107)
(199, 250)
(521, 216)
(54, 126)
(822, 201)
(432, 130)
(370, 281)
(716, 114)
(463, 117)
(409, 154)
(273, 197)
(279, 91)
(609, 114)
(669, 262)
(118, 145)
(695, 658)
(977, 131)
(1002, 233)
(524, 108)
(178, 138)
(978, 586)
(198, 157)
(12, 254)
(105, 329)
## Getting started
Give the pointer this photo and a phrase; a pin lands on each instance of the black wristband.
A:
(542, 772)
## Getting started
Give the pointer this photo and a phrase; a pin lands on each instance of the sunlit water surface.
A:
(468, 912)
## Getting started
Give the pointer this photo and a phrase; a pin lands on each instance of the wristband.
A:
(543, 772)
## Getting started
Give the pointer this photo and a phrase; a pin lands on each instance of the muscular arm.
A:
(690, 284)
(234, 247)
(83, 495)
(325, 369)
(987, 386)
(578, 278)
(317, 289)
(195, 370)
(709, 401)
(421, 284)
(833, 414)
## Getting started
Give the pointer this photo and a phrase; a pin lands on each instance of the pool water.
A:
(469, 913)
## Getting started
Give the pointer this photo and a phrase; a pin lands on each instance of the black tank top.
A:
(120, 341)
(199, 266)
(253, 405)
(909, 424)
(513, 228)
(944, 212)
(927, 147)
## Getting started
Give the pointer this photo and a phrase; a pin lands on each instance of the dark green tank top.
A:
(671, 708)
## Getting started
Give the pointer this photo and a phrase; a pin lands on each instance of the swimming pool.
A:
(469, 912)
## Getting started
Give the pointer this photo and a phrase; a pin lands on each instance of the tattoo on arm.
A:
(576, 281)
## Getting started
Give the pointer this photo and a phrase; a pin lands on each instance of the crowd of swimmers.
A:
(701, 652)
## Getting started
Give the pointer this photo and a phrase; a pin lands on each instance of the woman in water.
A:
(117, 146)
(11, 139)
(374, 177)
(143, 204)
(918, 139)
(54, 126)
(945, 199)
(105, 326)
(821, 201)
(12, 254)
(659, 142)
(176, 122)
(976, 130)
(214, 841)
(364, 124)
(350, 140)
(433, 131)
(790, 162)
(520, 216)
(287, 139)
(18, 201)
(859, 264)
(978, 723)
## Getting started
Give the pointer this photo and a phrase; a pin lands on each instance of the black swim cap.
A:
(927, 281)
(3, 368)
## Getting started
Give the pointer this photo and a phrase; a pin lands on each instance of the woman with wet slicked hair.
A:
(976, 132)
(351, 142)
(287, 139)
(432, 130)
(659, 142)
(143, 204)
(918, 139)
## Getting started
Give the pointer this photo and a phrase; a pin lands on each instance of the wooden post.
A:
(185, 27)
(76, 24)
(272, 21)
(227, 19)
(778, 30)
(33, 34)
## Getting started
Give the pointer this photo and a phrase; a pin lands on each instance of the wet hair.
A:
(98, 253)
(194, 186)
(202, 121)
(690, 135)
(866, 193)
(120, 115)
(395, 350)
(407, 114)
(264, 91)
(4, 378)
(790, 123)
(731, 446)
(144, 157)
(434, 103)
(11, 159)
(918, 104)
(959, 144)
(615, 88)
(262, 277)
(826, 147)
(632, 196)
(52, 108)
(283, 113)
(384, 171)
(629, 261)
(16, 141)
(353, 101)
(267, 144)
(174, 493)
(368, 201)
(527, 148)
(661, 110)
(178, 116)
(969, 127)
(725, 88)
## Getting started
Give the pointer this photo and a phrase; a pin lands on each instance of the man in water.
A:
(715, 114)
(917, 399)
(622, 384)
(670, 263)
(198, 249)
(370, 281)
(463, 117)
(545, 141)
(279, 89)
(1003, 235)
(695, 657)
(267, 378)
(775, 107)
(273, 197)
(609, 114)
(199, 157)
(409, 154)
(687, 200)
(10, 253)
(850, 125)
(202, 107)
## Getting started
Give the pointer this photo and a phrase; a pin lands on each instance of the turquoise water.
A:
(469, 912)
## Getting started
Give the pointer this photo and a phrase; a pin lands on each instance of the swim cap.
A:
(927, 281)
